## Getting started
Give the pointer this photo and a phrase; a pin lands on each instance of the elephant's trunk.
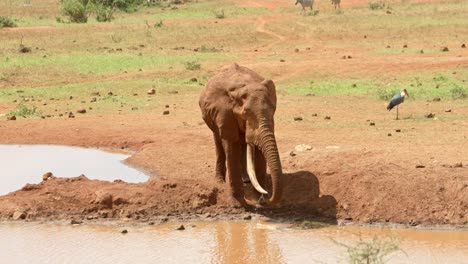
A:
(267, 145)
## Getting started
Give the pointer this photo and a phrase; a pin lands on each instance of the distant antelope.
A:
(305, 3)
(336, 3)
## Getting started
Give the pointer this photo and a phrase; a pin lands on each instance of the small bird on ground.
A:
(396, 100)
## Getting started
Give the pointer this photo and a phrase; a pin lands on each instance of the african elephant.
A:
(238, 106)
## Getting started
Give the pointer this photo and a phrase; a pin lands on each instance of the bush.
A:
(371, 252)
(6, 22)
(459, 92)
(387, 94)
(24, 111)
(103, 13)
(375, 5)
(75, 10)
(192, 66)
(219, 14)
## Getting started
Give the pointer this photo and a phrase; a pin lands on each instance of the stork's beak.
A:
(406, 92)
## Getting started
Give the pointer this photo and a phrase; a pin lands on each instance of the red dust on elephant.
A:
(238, 105)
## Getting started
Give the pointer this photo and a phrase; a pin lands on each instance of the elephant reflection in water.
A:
(245, 243)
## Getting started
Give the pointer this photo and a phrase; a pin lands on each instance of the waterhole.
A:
(21, 164)
(218, 242)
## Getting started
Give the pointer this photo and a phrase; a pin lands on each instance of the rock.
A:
(173, 92)
(181, 227)
(47, 176)
(420, 166)
(167, 106)
(110, 93)
(125, 231)
(166, 112)
(297, 118)
(296, 50)
(398, 130)
(388, 12)
(327, 118)
(389, 134)
(11, 118)
(94, 99)
(448, 110)
(247, 217)
(19, 215)
(71, 97)
(194, 79)
(76, 222)
(81, 110)
(458, 165)
(292, 154)
(372, 124)
(405, 46)
(349, 57)
(463, 46)
(430, 115)
(302, 147)
(104, 199)
(71, 115)
(282, 60)
(151, 91)
(29, 187)
(444, 49)
(95, 94)
(24, 49)
(436, 99)
(421, 51)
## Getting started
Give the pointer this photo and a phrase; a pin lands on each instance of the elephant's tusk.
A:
(251, 170)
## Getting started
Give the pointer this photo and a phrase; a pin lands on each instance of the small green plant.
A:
(104, 13)
(458, 92)
(24, 111)
(371, 252)
(159, 24)
(75, 10)
(219, 14)
(312, 13)
(6, 22)
(386, 94)
(192, 66)
(312, 225)
(376, 5)
(440, 78)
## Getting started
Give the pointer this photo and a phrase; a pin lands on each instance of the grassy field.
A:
(136, 52)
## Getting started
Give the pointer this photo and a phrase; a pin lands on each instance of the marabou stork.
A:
(396, 100)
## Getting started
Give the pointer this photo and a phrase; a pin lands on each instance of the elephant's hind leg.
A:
(220, 159)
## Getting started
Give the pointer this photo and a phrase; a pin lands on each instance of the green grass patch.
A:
(25, 111)
(420, 87)
(329, 87)
(105, 63)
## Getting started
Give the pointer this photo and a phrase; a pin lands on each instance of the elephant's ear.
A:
(271, 88)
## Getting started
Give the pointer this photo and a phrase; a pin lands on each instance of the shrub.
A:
(24, 111)
(386, 94)
(103, 13)
(6, 22)
(219, 14)
(192, 66)
(375, 5)
(459, 92)
(75, 10)
(373, 251)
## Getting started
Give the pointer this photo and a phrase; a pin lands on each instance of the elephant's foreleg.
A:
(234, 169)
(220, 159)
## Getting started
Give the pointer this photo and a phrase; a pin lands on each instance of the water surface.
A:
(21, 164)
(216, 242)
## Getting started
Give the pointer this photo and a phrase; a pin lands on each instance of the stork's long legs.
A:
(397, 112)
